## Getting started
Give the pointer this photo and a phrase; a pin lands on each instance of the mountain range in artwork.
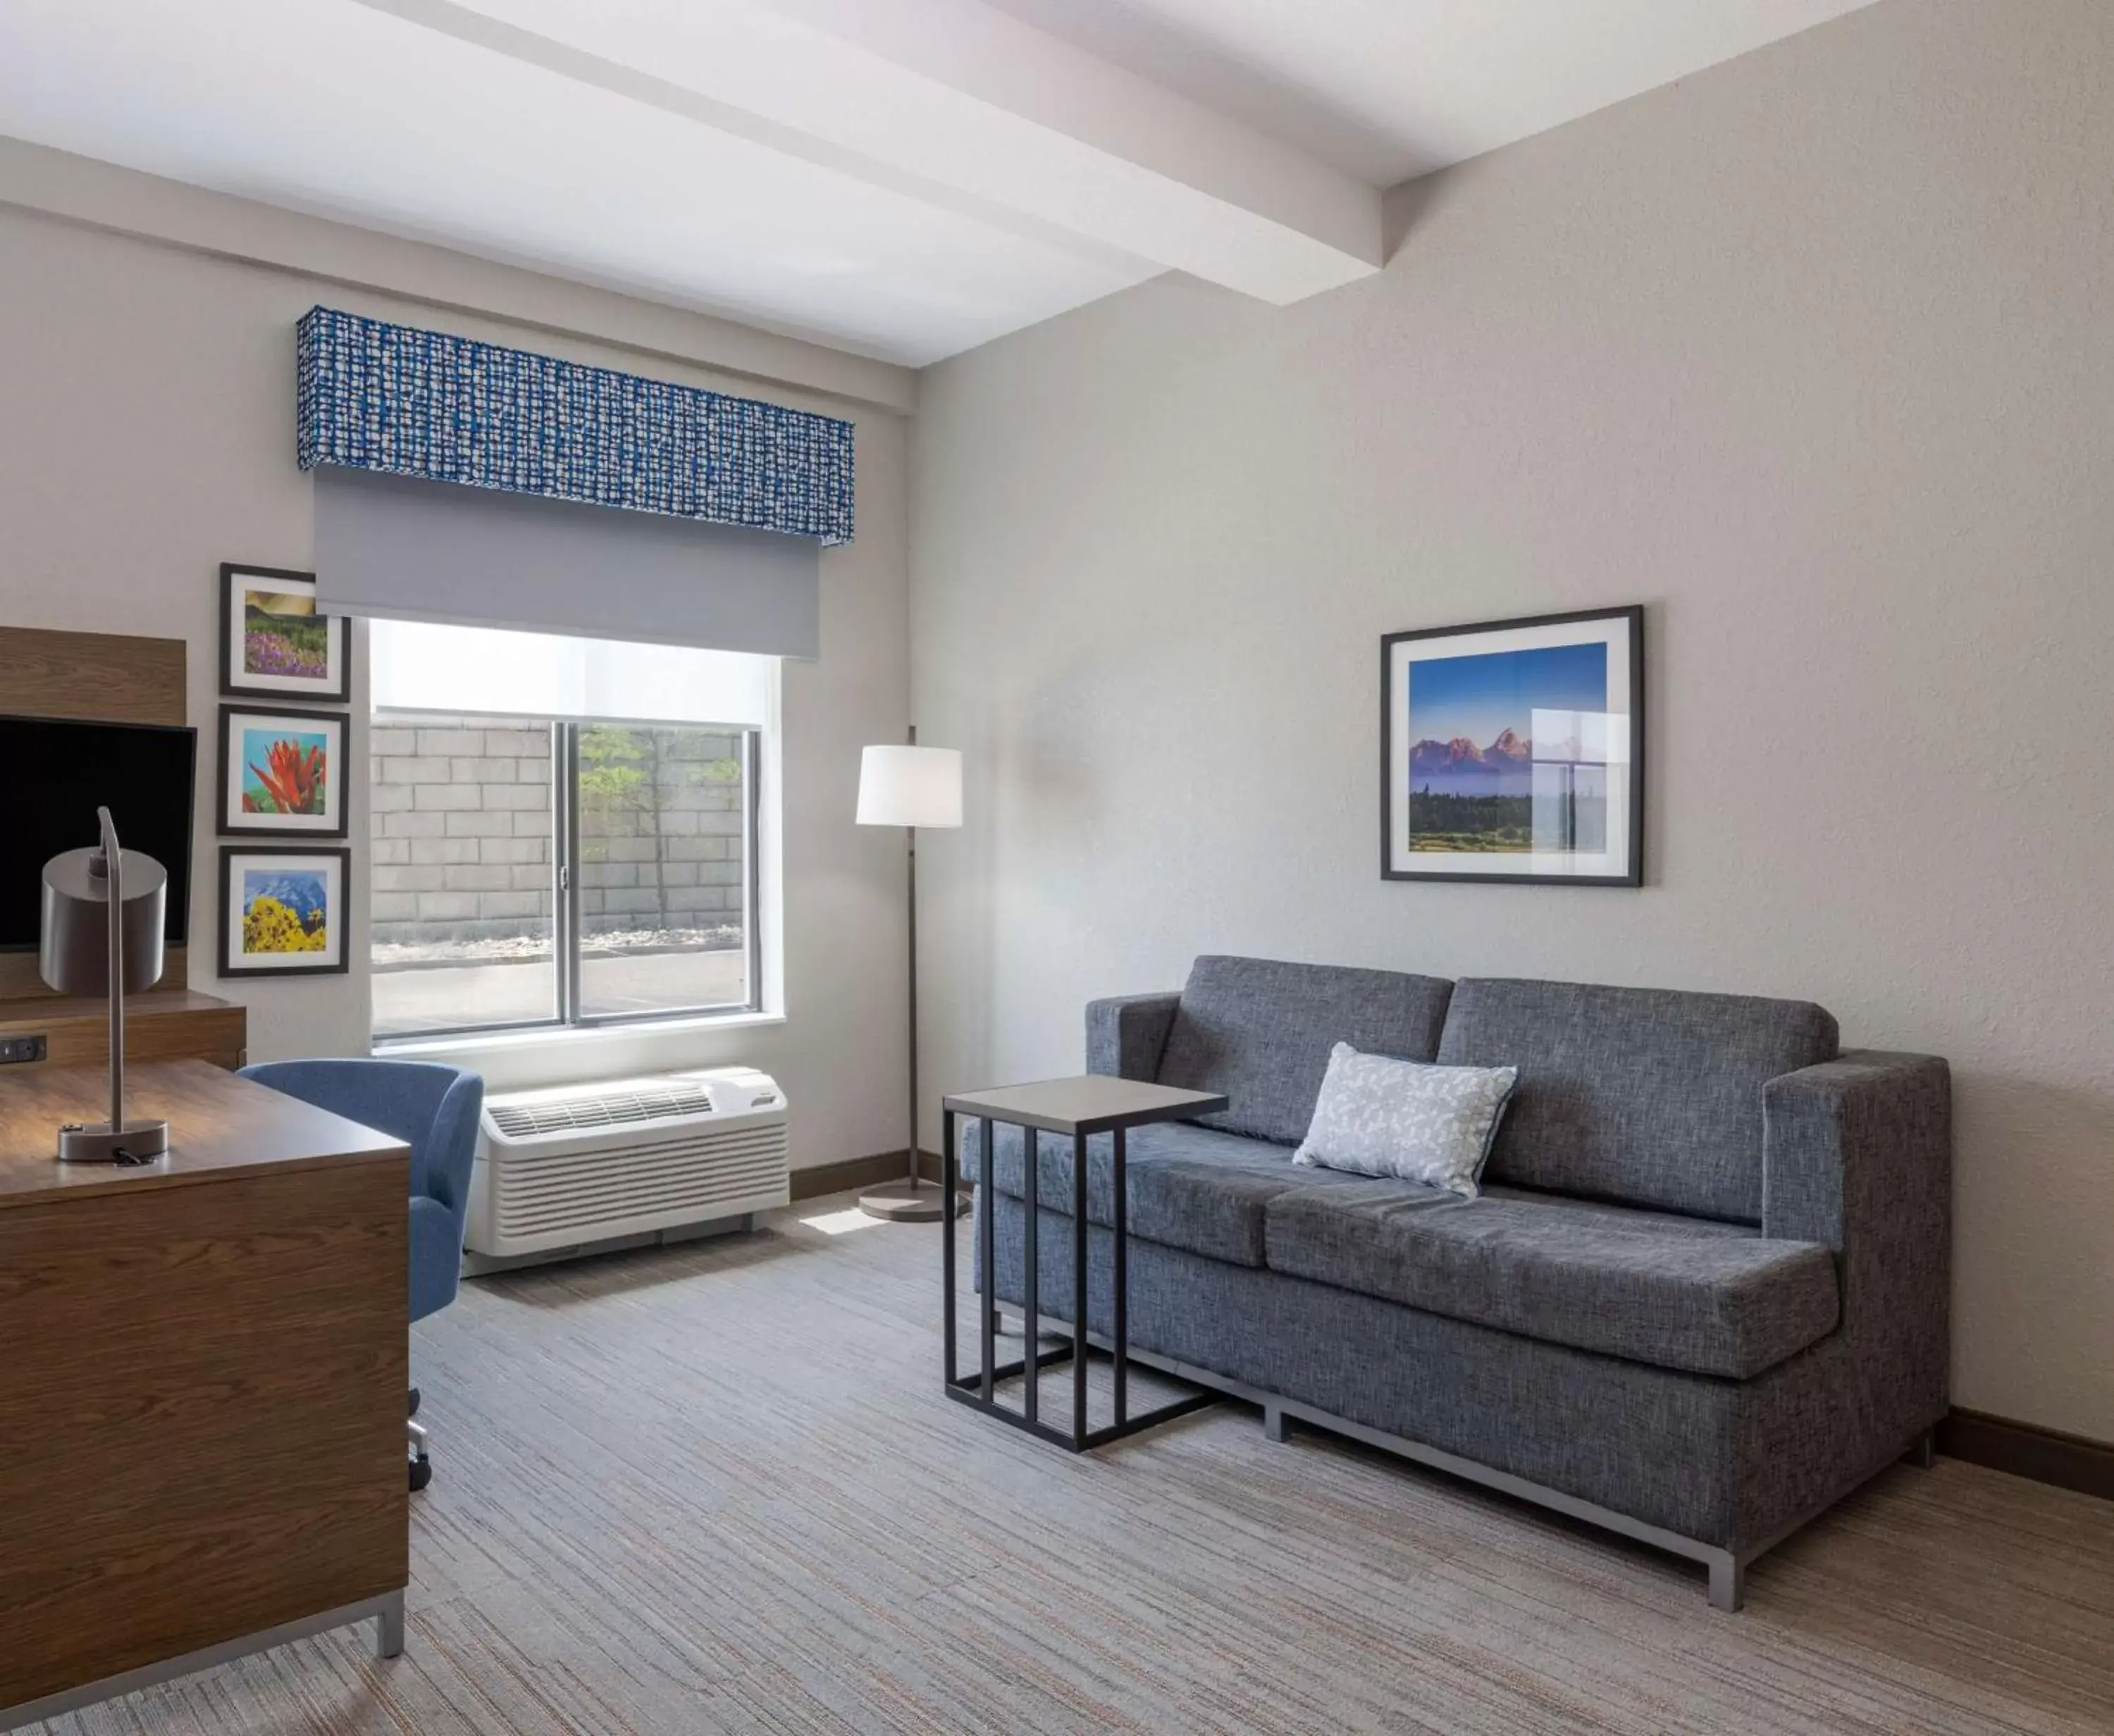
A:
(1472, 780)
(1460, 768)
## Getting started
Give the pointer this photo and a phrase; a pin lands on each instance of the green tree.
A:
(634, 771)
(621, 774)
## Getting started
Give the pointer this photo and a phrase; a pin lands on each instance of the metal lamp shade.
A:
(74, 956)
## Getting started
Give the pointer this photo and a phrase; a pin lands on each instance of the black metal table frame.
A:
(978, 1389)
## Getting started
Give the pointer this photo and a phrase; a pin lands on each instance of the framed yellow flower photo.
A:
(282, 912)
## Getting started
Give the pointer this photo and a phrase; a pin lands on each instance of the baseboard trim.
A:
(2025, 1450)
(856, 1174)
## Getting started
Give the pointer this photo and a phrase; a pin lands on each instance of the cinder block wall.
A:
(461, 820)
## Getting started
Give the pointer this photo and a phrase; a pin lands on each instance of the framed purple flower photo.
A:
(274, 644)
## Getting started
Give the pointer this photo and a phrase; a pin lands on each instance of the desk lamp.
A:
(103, 936)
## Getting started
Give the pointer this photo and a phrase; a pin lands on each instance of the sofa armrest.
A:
(1126, 1033)
(1857, 1155)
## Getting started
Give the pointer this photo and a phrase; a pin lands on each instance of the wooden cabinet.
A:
(162, 1025)
(203, 1369)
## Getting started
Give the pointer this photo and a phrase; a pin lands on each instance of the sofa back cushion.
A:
(1260, 1031)
(1651, 1097)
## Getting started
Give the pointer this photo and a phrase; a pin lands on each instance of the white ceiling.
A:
(1387, 90)
(902, 178)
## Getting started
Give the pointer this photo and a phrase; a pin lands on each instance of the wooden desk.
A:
(203, 1367)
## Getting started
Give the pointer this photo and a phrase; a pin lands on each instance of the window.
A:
(531, 873)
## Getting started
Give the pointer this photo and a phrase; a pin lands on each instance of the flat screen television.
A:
(54, 776)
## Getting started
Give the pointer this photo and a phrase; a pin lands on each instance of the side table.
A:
(1074, 1109)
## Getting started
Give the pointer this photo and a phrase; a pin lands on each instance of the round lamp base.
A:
(908, 1205)
(94, 1142)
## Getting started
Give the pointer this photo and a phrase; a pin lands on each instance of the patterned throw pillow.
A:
(1379, 1116)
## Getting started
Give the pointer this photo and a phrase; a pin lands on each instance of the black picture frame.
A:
(262, 826)
(231, 856)
(291, 689)
(1630, 620)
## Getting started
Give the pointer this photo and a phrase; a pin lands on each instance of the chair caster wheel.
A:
(421, 1472)
(413, 1410)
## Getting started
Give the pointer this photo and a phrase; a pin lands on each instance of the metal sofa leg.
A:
(1923, 1451)
(1272, 1423)
(1729, 1582)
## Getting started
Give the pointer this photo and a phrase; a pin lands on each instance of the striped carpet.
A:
(716, 1489)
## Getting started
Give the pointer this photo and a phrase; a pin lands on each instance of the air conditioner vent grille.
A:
(601, 1109)
(580, 1193)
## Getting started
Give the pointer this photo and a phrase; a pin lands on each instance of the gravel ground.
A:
(428, 999)
(392, 955)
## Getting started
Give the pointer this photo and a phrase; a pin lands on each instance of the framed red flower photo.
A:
(282, 772)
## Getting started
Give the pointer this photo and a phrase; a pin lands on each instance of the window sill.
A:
(566, 1036)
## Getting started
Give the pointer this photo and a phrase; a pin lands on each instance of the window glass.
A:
(534, 873)
(463, 874)
(663, 869)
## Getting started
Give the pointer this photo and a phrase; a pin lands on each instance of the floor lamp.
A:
(910, 787)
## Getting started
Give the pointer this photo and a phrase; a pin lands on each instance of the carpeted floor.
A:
(716, 1489)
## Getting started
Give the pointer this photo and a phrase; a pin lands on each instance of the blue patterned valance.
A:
(374, 396)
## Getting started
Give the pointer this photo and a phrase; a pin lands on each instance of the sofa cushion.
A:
(1650, 1097)
(1411, 1120)
(1259, 1032)
(1674, 1292)
(1190, 1187)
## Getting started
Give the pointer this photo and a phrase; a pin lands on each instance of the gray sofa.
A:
(1703, 1297)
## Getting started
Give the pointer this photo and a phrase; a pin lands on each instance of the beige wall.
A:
(1812, 353)
(146, 435)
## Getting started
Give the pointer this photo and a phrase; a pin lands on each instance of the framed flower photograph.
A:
(282, 772)
(1512, 752)
(273, 644)
(282, 910)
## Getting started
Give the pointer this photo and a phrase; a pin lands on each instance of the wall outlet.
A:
(22, 1048)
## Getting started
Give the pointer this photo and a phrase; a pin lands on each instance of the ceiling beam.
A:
(968, 108)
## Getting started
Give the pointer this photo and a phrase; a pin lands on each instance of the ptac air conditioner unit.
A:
(583, 1169)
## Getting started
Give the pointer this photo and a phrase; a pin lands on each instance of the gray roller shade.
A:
(474, 557)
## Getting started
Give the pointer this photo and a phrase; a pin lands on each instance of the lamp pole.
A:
(910, 853)
(113, 859)
(912, 1202)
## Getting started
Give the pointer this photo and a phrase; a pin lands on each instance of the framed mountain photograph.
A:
(1513, 752)
(274, 644)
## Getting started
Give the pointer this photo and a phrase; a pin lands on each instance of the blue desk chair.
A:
(434, 1110)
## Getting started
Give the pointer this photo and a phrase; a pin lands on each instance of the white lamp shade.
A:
(910, 787)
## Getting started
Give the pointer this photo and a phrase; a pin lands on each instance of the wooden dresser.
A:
(203, 1369)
